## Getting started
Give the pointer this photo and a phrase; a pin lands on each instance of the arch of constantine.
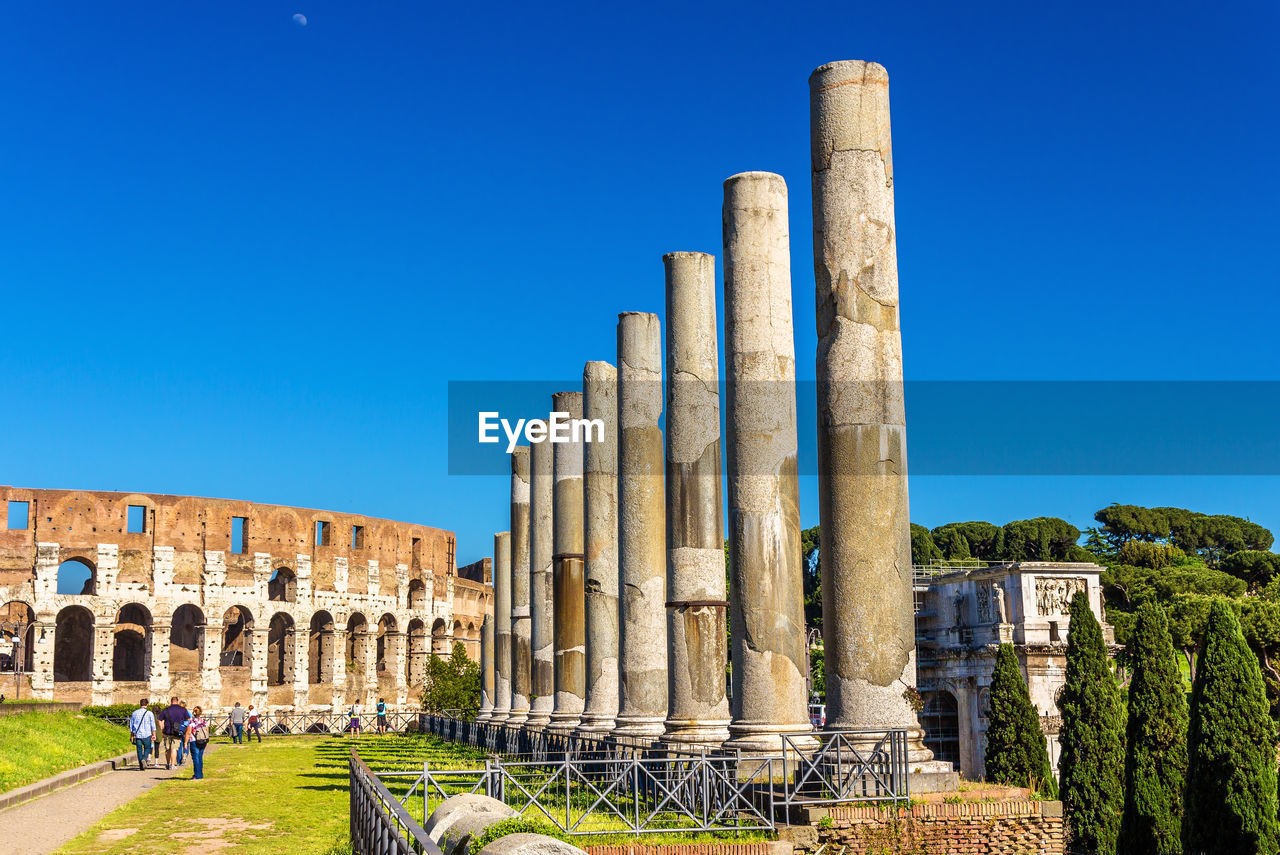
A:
(107, 597)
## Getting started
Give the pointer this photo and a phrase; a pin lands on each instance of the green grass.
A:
(35, 745)
(290, 795)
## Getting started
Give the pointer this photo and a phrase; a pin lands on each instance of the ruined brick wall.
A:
(969, 828)
(359, 601)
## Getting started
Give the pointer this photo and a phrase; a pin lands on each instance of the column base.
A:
(539, 715)
(564, 722)
(933, 776)
(497, 716)
(638, 731)
(596, 725)
(517, 717)
(763, 739)
(696, 734)
(484, 716)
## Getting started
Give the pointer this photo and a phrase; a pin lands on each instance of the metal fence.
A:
(286, 723)
(380, 825)
(849, 766)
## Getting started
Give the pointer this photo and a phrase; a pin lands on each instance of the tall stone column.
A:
(766, 612)
(487, 675)
(521, 653)
(567, 572)
(501, 626)
(600, 504)
(697, 708)
(867, 618)
(541, 605)
(641, 531)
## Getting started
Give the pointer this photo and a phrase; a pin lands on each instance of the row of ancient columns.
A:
(618, 544)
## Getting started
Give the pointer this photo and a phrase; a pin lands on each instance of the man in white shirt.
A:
(142, 727)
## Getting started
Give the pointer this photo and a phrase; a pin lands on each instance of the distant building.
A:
(963, 614)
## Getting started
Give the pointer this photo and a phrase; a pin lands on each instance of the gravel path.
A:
(43, 825)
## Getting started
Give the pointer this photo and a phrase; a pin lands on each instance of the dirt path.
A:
(41, 826)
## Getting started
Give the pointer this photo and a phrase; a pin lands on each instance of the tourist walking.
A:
(354, 726)
(171, 720)
(197, 741)
(381, 710)
(142, 729)
(182, 734)
(255, 725)
(237, 724)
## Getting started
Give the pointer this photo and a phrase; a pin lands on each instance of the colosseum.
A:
(106, 597)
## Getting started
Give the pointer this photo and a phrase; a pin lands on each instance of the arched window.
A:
(283, 587)
(386, 627)
(186, 639)
(416, 663)
(17, 637)
(237, 638)
(320, 649)
(357, 633)
(131, 653)
(417, 595)
(280, 641)
(77, 576)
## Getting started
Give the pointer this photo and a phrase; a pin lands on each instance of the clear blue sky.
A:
(242, 257)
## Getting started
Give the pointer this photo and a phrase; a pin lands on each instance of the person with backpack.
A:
(354, 726)
(197, 740)
(182, 733)
(255, 725)
(171, 720)
(237, 724)
(381, 710)
(142, 729)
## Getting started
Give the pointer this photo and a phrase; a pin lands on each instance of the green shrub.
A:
(118, 710)
(514, 825)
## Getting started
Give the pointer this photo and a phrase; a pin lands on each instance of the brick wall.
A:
(970, 828)
(760, 848)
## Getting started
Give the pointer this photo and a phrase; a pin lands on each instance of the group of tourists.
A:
(380, 722)
(181, 732)
(239, 719)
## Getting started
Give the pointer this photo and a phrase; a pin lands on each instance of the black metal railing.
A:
(380, 825)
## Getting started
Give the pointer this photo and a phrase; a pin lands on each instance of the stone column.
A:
(521, 654)
(501, 626)
(159, 676)
(697, 708)
(567, 571)
(641, 531)
(487, 675)
(301, 674)
(766, 612)
(600, 504)
(868, 626)
(541, 606)
(103, 648)
(210, 655)
(257, 665)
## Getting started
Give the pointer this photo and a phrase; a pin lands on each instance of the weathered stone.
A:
(770, 660)
(541, 601)
(530, 844)
(641, 531)
(502, 627)
(600, 500)
(458, 820)
(521, 653)
(567, 573)
(487, 670)
(868, 629)
(698, 710)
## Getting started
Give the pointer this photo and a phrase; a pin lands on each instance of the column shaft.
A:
(521, 654)
(600, 503)
(541, 606)
(697, 707)
(487, 670)
(501, 626)
(770, 662)
(567, 575)
(641, 531)
(868, 626)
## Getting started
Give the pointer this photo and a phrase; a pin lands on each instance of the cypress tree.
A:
(1230, 796)
(1091, 766)
(1016, 752)
(1155, 762)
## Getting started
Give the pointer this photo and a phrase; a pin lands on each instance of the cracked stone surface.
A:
(541, 605)
(567, 573)
(869, 632)
(697, 708)
(600, 501)
(521, 654)
(766, 612)
(487, 670)
(641, 530)
(502, 626)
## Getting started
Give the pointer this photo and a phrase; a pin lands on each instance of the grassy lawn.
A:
(35, 745)
(284, 795)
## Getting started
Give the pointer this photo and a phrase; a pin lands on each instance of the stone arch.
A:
(17, 637)
(131, 645)
(386, 626)
(73, 646)
(417, 595)
(439, 638)
(283, 587)
(237, 638)
(280, 650)
(356, 645)
(416, 661)
(320, 648)
(77, 576)
(186, 639)
(940, 719)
